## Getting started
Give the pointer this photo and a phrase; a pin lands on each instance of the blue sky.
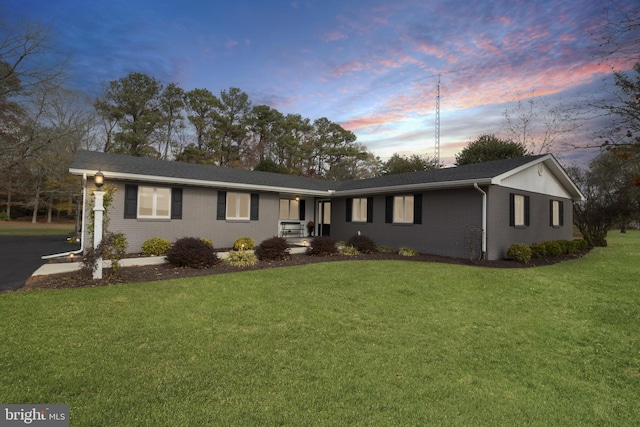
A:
(369, 65)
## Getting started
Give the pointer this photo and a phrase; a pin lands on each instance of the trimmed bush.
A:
(155, 246)
(244, 243)
(538, 250)
(386, 249)
(241, 259)
(363, 244)
(322, 246)
(192, 252)
(349, 250)
(552, 248)
(406, 251)
(273, 249)
(581, 244)
(519, 252)
(207, 241)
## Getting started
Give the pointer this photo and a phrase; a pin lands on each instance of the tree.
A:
(611, 197)
(172, 102)
(489, 147)
(538, 125)
(133, 102)
(230, 126)
(414, 163)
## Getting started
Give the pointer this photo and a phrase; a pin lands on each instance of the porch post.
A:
(98, 210)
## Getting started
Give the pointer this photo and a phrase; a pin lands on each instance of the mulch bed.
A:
(165, 271)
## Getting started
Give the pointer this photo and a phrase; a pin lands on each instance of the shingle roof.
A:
(146, 169)
(477, 171)
(116, 164)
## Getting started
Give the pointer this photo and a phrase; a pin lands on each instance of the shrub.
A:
(582, 244)
(241, 259)
(244, 243)
(113, 247)
(538, 250)
(207, 241)
(565, 246)
(362, 244)
(406, 251)
(273, 249)
(349, 250)
(519, 252)
(322, 246)
(155, 246)
(192, 252)
(386, 249)
(552, 248)
(4, 216)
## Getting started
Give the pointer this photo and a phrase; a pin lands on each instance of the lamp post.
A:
(98, 210)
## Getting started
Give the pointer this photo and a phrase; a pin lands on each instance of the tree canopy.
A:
(489, 147)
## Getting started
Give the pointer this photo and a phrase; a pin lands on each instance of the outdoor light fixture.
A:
(297, 198)
(99, 179)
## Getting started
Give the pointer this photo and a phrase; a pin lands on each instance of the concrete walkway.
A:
(67, 267)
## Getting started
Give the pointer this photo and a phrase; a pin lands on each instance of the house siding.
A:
(449, 218)
(198, 220)
(500, 235)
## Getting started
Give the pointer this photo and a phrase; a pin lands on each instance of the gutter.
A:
(484, 220)
(82, 230)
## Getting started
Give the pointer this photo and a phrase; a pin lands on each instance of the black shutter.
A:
(302, 208)
(551, 213)
(417, 208)
(388, 209)
(130, 201)
(561, 210)
(369, 209)
(512, 209)
(255, 207)
(222, 205)
(349, 209)
(176, 203)
(526, 210)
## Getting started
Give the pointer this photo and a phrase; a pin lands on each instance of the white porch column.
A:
(98, 210)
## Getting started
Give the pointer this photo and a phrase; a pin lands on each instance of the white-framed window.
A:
(359, 210)
(238, 205)
(403, 209)
(289, 209)
(518, 210)
(556, 213)
(154, 202)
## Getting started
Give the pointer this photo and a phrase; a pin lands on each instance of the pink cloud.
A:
(333, 36)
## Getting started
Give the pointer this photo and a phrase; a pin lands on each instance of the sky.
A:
(373, 66)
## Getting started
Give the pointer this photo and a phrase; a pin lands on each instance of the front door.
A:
(324, 218)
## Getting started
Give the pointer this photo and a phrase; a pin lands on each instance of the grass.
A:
(20, 228)
(349, 343)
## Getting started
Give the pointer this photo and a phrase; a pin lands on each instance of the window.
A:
(556, 213)
(403, 209)
(359, 210)
(154, 202)
(519, 207)
(289, 209)
(238, 205)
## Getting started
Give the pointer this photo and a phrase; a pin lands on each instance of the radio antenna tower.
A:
(437, 154)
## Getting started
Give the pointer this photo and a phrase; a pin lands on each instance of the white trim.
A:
(201, 183)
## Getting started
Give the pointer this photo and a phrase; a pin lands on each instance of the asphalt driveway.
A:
(20, 256)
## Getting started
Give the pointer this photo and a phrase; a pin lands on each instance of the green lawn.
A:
(350, 343)
(19, 228)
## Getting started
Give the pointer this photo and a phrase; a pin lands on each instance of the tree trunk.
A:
(34, 218)
(49, 211)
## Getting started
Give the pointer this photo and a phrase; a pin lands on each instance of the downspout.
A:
(84, 200)
(484, 220)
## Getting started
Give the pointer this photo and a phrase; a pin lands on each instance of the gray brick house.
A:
(467, 211)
